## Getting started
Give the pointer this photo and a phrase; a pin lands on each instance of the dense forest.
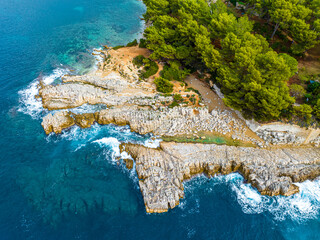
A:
(216, 40)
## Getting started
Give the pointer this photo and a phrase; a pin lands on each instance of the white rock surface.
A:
(273, 172)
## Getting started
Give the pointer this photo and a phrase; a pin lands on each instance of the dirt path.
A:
(210, 98)
(214, 102)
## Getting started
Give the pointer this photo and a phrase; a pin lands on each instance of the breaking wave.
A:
(300, 207)
(29, 102)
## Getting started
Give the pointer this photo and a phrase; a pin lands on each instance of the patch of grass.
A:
(207, 138)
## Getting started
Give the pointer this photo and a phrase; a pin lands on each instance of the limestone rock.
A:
(273, 172)
(129, 163)
(84, 120)
(111, 82)
(57, 122)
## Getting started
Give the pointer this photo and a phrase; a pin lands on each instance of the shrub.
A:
(297, 91)
(174, 72)
(313, 92)
(117, 47)
(303, 75)
(174, 104)
(163, 85)
(178, 97)
(304, 111)
(317, 110)
(133, 43)
(142, 43)
(138, 60)
(150, 69)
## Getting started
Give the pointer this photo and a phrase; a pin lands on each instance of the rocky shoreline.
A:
(272, 172)
(271, 169)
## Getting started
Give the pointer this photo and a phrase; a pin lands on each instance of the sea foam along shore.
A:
(272, 172)
(137, 103)
(29, 102)
(300, 207)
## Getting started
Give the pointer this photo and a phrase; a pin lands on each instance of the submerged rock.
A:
(273, 172)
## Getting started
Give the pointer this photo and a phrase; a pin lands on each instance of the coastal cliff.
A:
(271, 169)
(273, 172)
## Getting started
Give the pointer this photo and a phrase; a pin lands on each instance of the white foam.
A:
(75, 133)
(111, 142)
(57, 73)
(152, 142)
(125, 155)
(299, 207)
(97, 57)
(79, 147)
(115, 154)
(29, 103)
(248, 198)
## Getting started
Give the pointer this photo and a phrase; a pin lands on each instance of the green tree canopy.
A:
(300, 18)
(195, 34)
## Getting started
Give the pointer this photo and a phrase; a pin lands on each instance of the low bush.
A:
(304, 111)
(133, 43)
(150, 68)
(142, 43)
(178, 97)
(117, 47)
(138, 60)
(174, 72)
(297, 91)
(163, 85)
(174, 104)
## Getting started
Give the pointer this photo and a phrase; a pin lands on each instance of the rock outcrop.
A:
(134, 102)
(57, 122)
(164, 121)
(273, 172)
(279, 137)
(162, 171)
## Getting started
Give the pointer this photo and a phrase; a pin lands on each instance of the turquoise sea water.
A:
(70, 186)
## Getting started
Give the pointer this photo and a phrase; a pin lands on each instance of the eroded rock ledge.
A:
(273, 172)
(130, 101)
(162, 121)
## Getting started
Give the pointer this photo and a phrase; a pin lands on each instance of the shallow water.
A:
(70, 186)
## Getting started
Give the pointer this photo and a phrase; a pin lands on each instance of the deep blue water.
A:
(69, 186)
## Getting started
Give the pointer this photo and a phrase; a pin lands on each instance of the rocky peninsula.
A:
(273, 172)
(270, 157)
